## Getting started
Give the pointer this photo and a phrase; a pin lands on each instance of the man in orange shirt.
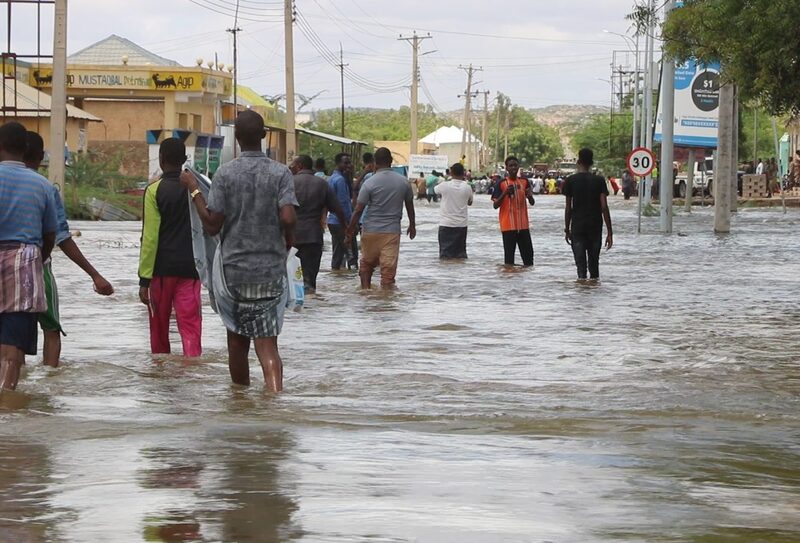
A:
(512, 196)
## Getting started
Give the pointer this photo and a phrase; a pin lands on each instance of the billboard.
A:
(696, 105)
(425, 164)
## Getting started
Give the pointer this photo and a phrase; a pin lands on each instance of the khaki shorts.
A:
(380, 250)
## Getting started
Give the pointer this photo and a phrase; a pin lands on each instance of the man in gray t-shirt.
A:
(251, 205)
(386, 192)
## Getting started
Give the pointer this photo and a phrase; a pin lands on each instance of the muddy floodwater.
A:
(474, 404)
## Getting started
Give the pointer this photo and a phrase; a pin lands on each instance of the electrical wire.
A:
(308, 32)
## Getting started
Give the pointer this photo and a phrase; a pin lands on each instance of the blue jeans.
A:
(586, 249)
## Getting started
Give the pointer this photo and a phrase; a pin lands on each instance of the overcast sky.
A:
(539, 52)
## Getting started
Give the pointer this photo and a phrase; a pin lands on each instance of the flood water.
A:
(473, 405)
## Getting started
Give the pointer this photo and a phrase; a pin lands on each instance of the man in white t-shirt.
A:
(456, 196)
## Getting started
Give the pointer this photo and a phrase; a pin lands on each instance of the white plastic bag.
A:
(294, 277)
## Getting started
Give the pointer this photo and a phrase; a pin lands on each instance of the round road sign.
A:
(641, 161)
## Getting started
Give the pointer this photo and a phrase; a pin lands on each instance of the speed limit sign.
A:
(641, 161)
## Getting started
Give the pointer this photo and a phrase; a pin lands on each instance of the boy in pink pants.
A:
(167, 275)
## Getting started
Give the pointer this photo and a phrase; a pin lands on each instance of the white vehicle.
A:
(703, 179)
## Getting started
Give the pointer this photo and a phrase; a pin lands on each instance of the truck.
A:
(703, 180)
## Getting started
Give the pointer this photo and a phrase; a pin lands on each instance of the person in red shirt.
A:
(512, 196)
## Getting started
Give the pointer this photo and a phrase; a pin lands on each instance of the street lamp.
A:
(629, 42)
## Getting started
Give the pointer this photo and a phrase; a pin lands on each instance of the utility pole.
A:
(735, 153)
(722, 162)
(649, 97)
(58, 107)
(497, 132)
(635, 135)
(468, 94)
(342, 66)
(484, 129)
(666, 185)
(235, 31)
(414, 40)
(288, 22)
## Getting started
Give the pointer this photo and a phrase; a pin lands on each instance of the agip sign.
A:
(142, 80)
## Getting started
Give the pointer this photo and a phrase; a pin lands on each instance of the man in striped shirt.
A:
(27, 236)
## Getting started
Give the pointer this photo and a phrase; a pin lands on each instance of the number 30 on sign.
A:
(641, 161)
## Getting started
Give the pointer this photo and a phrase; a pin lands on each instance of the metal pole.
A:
(288, 22)
(667, 184)
(687, 205)
(649, 96)
(467, 96)
(58, 107)
(635, 136)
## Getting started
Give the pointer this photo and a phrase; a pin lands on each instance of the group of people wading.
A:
(257, 209)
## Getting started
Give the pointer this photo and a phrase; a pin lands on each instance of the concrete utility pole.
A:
(484, 129)
(235, 31)
(735, 153)
(467, 105)
(342, 66)
(666, 184)
(690, 162)
(497, 132)
(288, 22)
(58, 98)
(722, 162)
(414, 40)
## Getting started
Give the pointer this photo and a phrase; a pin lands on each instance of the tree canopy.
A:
(756, 41)
(610, 139)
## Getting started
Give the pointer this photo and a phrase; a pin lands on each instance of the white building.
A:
(447, 140)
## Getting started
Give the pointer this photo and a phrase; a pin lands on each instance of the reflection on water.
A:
(474, 404)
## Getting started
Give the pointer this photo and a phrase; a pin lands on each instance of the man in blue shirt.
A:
(50, 321)
(27, 235)
(341, 186)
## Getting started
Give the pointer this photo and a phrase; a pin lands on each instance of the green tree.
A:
(609, 138)
(756, 41)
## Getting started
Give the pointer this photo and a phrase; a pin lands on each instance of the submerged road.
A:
(475, 404)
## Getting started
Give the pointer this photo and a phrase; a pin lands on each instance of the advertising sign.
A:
(134, 79)
(696, 105)
(425, 164)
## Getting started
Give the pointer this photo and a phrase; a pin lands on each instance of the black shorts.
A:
(19, 330)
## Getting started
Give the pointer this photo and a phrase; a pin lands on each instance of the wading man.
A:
(251, 206)
(586, 209)
(456, 197)
(167, 275)
(512, 196)
(343, 253)
(314, 196)
(50, 321)
(28, 227)
(386, 192)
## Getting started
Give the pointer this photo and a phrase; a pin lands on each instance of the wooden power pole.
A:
(414, 40)
(468, 94)
(58, 107)
(288, 22)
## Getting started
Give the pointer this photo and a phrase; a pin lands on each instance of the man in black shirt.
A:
(314, 196)
(586, 209)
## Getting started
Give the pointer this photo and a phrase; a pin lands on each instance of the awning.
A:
(330, 137)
